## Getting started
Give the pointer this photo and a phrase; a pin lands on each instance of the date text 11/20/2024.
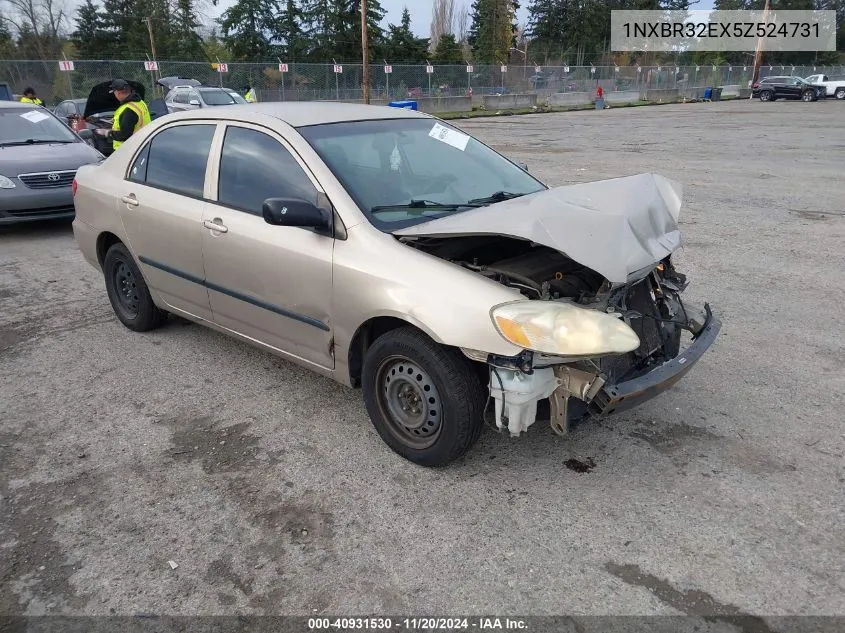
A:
(416, 624)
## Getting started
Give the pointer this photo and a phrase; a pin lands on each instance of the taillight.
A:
(73, 187)
(755, 85)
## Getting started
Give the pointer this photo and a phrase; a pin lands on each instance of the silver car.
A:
(387, 250)
(39, 156)
(182, 98)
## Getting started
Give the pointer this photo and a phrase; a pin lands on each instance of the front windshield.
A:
(221, 97)
(20, 126)
(403, 172)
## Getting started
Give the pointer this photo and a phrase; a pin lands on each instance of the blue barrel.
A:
(708, 93)
(408, 105)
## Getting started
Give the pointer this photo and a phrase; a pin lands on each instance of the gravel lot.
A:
(267, 485)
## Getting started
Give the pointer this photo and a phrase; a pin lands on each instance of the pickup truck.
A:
(834, 87)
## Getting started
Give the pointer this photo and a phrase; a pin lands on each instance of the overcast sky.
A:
(420, 11)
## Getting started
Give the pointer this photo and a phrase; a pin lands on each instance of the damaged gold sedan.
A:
(390, 251)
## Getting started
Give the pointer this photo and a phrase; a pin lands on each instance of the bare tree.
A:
(44, 19)
(462, 23)
(442, 19)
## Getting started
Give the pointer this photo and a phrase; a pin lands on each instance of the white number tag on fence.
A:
(283, 68)
(338, 69)
(150, 66)
(504, 69)
(469, 69)
(388, 70)
(65, 65)
(222, 68)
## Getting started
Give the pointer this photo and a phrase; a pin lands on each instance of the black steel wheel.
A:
(426, 401)
(128, 293)
(409, 401)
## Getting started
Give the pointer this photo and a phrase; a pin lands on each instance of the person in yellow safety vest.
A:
(29, 97)
(250, 95)
(131, 115)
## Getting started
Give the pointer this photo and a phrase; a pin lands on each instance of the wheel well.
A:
(104, 242)
(368, 332)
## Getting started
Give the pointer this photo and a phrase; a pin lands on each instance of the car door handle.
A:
(130, 200)
(216, 225)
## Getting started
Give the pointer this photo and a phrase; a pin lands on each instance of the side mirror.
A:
(86, 134)
(295, 212)
(194, 102)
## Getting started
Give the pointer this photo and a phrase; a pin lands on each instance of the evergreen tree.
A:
(124, 33)
(493, 29)
(448, 51)
(89, 38)
(187, 42)
(289, 32)
(248, 26)
(7, 43)
(401, 44)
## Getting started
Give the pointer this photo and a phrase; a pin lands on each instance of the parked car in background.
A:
(833, 87)
(538, 81)
(773, 88)
(388, 250)
(39, 156)
(183, 98)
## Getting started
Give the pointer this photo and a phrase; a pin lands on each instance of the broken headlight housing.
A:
(563, 329)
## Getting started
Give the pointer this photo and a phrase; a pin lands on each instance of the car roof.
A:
(17, 104)
(301, 113)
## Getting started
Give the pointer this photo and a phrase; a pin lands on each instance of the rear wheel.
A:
(128, 293)
(840, 93)
(767, 95)
(808, 95)
(425, 401)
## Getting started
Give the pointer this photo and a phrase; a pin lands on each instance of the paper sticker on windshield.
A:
(35, 116)
(450, 137)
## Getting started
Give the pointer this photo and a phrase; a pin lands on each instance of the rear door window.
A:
(176, 159)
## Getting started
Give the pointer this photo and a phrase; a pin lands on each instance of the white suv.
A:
(182, 98)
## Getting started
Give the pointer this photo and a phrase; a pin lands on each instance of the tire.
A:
(767, 95)
(128, 293)
(840, 93)
(808, 95)
(426, 401)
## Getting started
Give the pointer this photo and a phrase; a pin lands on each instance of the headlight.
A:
(563, 329)
(5, 183)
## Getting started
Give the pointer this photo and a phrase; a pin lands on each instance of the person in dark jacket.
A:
(131, 115)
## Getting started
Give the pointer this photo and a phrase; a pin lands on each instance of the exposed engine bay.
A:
(649, 302)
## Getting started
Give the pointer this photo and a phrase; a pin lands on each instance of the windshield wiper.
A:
(423, 204)
(32, 141)
(499, 196)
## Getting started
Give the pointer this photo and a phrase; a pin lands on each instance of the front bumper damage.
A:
(517, 392)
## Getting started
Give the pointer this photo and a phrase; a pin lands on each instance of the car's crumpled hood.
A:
(616, 227)
(24, 159)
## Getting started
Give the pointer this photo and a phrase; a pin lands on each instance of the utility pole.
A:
(149, 22)
(758, 54)
(365, 51)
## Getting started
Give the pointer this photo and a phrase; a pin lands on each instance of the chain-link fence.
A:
(308, 82)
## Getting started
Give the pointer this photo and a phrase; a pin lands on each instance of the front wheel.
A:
(425, 401)
(766, 95)
(128, 293)
(840, 93)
